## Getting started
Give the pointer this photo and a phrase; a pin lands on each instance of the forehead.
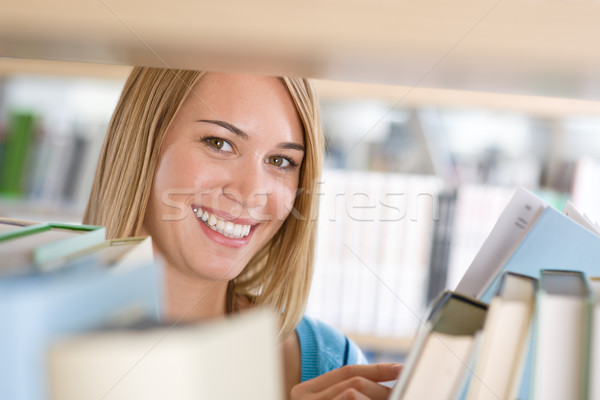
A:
(255, 104)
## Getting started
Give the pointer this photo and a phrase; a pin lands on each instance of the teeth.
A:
(225, 228)
(237, 230)
(212, 220)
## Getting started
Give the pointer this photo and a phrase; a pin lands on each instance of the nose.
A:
(250, 185)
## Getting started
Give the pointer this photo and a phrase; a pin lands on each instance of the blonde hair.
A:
(280, 274)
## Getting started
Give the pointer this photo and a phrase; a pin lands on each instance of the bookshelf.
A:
(510, 46)
(515, 55)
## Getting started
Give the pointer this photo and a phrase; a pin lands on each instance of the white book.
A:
(517, 218)
(501, 356)
(232, 358)
(561, 336)
(442, 353)
(594, 352)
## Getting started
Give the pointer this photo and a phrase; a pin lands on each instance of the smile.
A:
(219, 225)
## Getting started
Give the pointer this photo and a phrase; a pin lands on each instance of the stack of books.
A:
(82, 319)
(58, 280)
(524, 321)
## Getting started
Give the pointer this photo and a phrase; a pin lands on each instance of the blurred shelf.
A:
(405, 96)
(511, 46)
(22, 66)
(382, 344)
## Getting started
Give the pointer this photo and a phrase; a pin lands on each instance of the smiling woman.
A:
(222, 171)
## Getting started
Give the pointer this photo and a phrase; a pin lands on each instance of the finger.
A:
(372, 372)
(367, 388)
(351, 395)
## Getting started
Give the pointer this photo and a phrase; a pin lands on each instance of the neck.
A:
(190, 299)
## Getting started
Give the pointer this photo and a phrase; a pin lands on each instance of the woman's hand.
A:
(349, 382)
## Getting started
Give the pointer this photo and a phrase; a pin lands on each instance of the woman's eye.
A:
(278, 161)
(219, 144)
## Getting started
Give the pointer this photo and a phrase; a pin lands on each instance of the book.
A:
(114, 253)
(233, 358)
(594, 351)
(518, 217)
(555, 241)
(442, 350)
(561, 336)
(40, 307)
(13, 224)
(44, 246)
(500, 358)
(16, 153)
(571, 211)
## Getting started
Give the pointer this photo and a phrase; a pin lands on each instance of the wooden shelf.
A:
(511, 46)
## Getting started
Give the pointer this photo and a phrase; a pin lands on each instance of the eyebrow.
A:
(227, 126)
(234, 129)
(291, 146)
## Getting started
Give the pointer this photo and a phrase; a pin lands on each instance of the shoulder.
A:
(324, 348)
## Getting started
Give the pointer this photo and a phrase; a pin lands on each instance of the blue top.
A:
(324, 348)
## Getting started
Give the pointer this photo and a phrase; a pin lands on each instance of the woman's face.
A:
(227, 176)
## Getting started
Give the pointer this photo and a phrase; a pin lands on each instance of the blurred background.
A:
(433, 116)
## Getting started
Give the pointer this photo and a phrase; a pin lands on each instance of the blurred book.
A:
(13, 224)
(594, 351)
(16, 153)
(374, 245)
(476, 211)
(571, 211)
(561, 336)
(438, 361)
(108, 282)
(44, 246)
(505, 339)
(441, 242)
(229, 359)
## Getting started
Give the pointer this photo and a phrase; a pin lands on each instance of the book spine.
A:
(20, 136)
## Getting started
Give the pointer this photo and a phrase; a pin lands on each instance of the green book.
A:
(15, 154)
(44, 246)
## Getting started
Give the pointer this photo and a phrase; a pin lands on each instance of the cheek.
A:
(284, 201)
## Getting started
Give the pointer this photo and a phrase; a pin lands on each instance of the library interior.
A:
(459, 196)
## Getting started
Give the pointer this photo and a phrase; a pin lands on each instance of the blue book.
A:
(37, 309)
(554, 242)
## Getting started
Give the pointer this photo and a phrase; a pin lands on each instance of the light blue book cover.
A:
(37, 309)
(555, 242)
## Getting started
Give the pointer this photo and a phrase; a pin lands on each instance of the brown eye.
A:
(219, 144)
(279, 161)
(216, 143)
